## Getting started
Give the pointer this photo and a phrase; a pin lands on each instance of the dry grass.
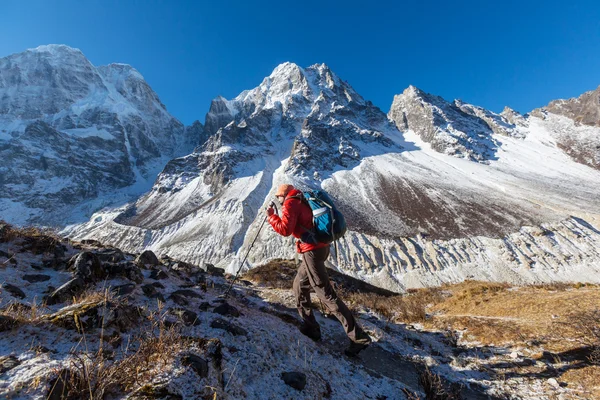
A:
(495, 314)
(411, 307)
(95, 375)
(34, 239)
(25, 313)
(585, 380)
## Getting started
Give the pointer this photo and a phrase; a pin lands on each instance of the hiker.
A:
(297, 218)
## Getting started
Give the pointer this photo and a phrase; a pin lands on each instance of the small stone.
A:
(36, 278)
(158, 274)
(197, 363)
(110, 255)
(158, 285)
(147, 258)
(553, 382)
(8, 362)
(214, 271)
(235, 330)
(297, 380)
(13, 290)
(227, 309)
(179, 300)
(125, 289)
(188, 317)
(151, 292)
(514, 355)
(204, 306)
(66, 291)
(88, 267)
(188, 293)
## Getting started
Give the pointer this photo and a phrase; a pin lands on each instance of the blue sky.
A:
(517, 53)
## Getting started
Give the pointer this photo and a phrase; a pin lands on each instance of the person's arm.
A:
(285, 224)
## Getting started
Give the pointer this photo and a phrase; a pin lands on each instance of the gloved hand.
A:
(270, 211)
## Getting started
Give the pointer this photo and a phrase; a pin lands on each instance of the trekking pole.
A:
(247, 253)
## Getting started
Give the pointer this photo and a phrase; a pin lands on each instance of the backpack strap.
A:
(303, 200)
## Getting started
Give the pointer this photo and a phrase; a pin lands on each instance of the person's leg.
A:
(301, 288)
(319, 279)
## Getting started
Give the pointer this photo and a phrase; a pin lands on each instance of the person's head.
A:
(282, 191)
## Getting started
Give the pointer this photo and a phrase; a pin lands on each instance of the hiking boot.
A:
(314, 334)
(357, 346)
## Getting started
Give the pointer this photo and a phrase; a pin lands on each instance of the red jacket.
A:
(294, 216)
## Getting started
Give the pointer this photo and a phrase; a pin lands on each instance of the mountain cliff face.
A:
(577, 134)
(433, 192)
(437, 192)
(71, 132)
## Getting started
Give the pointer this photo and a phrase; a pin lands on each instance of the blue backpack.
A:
(329, 222)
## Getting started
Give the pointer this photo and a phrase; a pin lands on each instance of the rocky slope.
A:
(81, 320)
(71, 132)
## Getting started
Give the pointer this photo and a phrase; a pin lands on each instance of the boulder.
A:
(297, 380)
(147, 258)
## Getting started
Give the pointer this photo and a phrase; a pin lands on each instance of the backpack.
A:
(329, 222)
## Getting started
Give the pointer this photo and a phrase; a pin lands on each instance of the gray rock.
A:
(214, 271)
(13, 290)
(125, 289)
(188, 293)
(147, 258)
(227, 309)
(151, 292)
(187, 317)
(110, 255)
(234, 329)
(66, 291)
(36, 278)
(197, 363)
(297, 380)
(179, 300)
(87, 266)
(158, 274)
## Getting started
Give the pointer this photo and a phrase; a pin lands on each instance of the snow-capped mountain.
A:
(578, 135)
(438, 192)
(71, 132)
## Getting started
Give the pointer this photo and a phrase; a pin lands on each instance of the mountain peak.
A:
(55, 48)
